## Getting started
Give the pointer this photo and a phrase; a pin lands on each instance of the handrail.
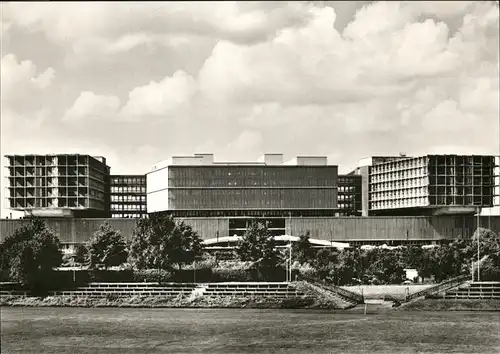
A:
(445, 285)
(350, 295)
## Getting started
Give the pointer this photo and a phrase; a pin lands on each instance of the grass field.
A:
(379, 291)
(115, 330)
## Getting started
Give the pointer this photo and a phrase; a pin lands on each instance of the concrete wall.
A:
(389, 228)
(337, 229)
(157, 190)
(71, 230)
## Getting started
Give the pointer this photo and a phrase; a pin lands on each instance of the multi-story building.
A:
(349, 195)
(364, 169)
(431, 184)
(62, 185)
(197, 186)
(128, 196)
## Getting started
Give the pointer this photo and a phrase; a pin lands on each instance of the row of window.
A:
(131, 189)
(348, 197)
(129, 180)
(127, 216)
(348, 205)
(251, 198)
(434, 161)
(252, 213)
(393, 187)
(128, 198)
(459, 200)
(396, 176)
(443, 181)
(128, 207)
(398, 195)
(433, 190)
(377, 169)
(403, 203)
(431, 200)
(343, 189)
(220, 176)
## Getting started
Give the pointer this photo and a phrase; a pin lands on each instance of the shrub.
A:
(228, 275)
(152, 275)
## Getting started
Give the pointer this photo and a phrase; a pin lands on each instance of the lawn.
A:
(115, 330)
(380, 291)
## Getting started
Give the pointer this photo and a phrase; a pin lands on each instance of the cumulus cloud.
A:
(163, 98)
(411, 76)
(21, 78)
(105, 28)
(89, 106)
(390, 70)
(247, 140)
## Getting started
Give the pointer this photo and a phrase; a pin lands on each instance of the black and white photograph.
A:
(249, 177)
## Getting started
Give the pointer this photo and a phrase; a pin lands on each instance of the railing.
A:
(445, 285)
(349, 295)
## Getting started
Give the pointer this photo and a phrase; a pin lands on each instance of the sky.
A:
(138, 82)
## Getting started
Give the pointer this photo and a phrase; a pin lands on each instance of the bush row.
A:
(66, 279)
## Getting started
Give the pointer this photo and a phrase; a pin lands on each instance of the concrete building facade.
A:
(69, 185)
(428, 185)
(128, 196)
(271, 189)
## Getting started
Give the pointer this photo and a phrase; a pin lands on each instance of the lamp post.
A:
(290, 227)
(478, 254)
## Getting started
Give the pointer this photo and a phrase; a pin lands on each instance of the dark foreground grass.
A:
(114, 330)
(452, 305)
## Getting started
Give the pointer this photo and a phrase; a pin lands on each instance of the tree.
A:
(31, 253)
(258, 246)
(490, 268)
(80, 254)
(147, 249)
(347, 267)
(489, 242)
(106, 247)
(270, 257)
(386, 268)
(249, 248)
(325, 257)
(159, 242)
(412, 256)
(302, 250)
(184, 245)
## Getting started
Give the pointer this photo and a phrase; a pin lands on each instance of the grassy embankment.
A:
(452, 305)
(313, 299)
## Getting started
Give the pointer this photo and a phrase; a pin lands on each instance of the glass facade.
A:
(251, 176)
(252, 187)
(349, 195)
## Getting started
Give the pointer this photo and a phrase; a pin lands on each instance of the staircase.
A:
(344, 294)
(274, 290)
(129, 289)
(438, 288)
(473, 290)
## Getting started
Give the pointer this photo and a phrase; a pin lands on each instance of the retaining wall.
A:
(431, 229)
